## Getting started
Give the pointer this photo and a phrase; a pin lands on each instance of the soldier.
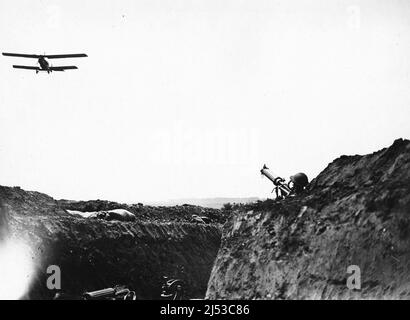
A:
(300, 181)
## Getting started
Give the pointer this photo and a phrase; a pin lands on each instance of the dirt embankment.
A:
(356, 212)
(94, 254)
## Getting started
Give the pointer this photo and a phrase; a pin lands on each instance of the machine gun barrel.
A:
(116, 293)
(272, 177)
(98, 294)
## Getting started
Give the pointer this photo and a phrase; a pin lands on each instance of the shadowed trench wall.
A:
(93, 254)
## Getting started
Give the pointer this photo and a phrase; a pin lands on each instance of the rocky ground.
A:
(94, 253)
(356, 212)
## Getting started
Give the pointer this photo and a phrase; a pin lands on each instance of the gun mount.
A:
(172, 289)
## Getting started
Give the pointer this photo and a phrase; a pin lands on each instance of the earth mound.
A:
(354, 213)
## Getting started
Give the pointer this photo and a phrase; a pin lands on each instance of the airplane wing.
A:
(21, 55)
(62, 68)
(26, 67)
(58, 56)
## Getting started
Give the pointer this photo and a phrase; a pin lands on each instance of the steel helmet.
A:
(300, 181)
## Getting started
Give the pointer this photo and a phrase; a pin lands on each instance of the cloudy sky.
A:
(183, 98)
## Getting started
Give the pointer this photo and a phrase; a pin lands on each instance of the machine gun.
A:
(296, 185)
(171, 289)
(116, 293)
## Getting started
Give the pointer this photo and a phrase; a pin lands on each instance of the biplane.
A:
(43, 64)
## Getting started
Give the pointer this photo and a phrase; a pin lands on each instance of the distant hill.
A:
(215, 203)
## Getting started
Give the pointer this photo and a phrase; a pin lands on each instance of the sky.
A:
(188, 99)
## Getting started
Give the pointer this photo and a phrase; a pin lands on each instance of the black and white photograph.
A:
(203, 151)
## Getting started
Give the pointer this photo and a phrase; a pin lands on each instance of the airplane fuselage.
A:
(43, 63)
(45, 66)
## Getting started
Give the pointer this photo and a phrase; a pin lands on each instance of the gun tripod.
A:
(281, 189)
